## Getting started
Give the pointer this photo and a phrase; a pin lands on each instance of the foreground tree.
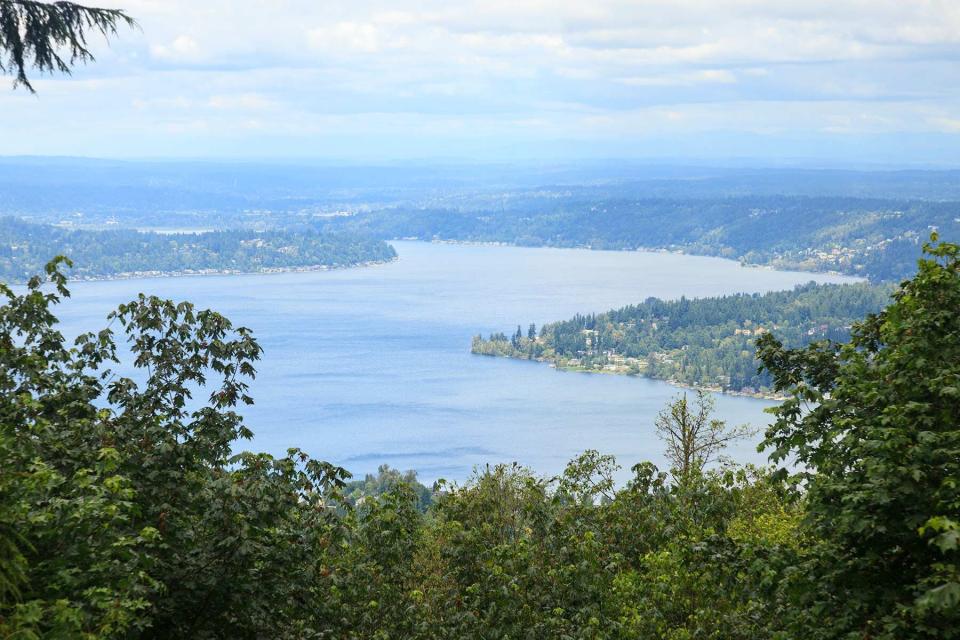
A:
(51, 37)
(122, 509)
(693, 437)
(875, 427)
(125, 514)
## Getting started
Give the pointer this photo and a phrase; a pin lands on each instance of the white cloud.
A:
(347, 37)
(650, 32)
(183, 48)
(510, 68)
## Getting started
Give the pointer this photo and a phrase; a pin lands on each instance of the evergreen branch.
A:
(51, 37)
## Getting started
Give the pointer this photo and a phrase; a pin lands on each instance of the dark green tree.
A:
(51, 37)
(874, 426)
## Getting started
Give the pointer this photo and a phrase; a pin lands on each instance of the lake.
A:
(372, 365)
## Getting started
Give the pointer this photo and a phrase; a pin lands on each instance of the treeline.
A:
(870, 224)
(25, 247)
(125, 515)
(876, 238)
(707, 342)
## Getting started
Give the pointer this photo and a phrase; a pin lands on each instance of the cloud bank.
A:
(518, 78)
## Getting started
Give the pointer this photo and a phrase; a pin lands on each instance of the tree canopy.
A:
(708, 342)
(874, 425)
(123, 252)
(125, 511)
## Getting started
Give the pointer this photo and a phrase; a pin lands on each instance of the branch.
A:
(51, 37)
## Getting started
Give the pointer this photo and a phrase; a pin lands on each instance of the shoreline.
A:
(135, 275)
(759, 395)
(796, 268)
(152, 274)
(146, 275)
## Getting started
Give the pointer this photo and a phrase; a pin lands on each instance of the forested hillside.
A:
(25, 247)
(707, 342)
(876, 238)
(124, 514)
(868, 223)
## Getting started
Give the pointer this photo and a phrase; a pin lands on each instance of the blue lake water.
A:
(373, 365)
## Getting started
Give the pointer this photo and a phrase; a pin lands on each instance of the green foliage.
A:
(879, 239)
(125, 513)
(386, 480)
(23, 247)
(708, 342)
(51, 36)
(873, 425)
(74, 560)
(123, 510)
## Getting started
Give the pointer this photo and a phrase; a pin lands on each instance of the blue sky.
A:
(838, 81)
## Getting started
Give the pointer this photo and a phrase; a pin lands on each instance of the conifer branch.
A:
(51, 37)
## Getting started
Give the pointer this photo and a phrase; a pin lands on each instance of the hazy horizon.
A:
(745, 163)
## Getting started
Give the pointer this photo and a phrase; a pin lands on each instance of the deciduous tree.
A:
(693, 437)
(874, 427)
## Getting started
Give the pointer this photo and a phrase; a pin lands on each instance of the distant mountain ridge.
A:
(866, 223)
